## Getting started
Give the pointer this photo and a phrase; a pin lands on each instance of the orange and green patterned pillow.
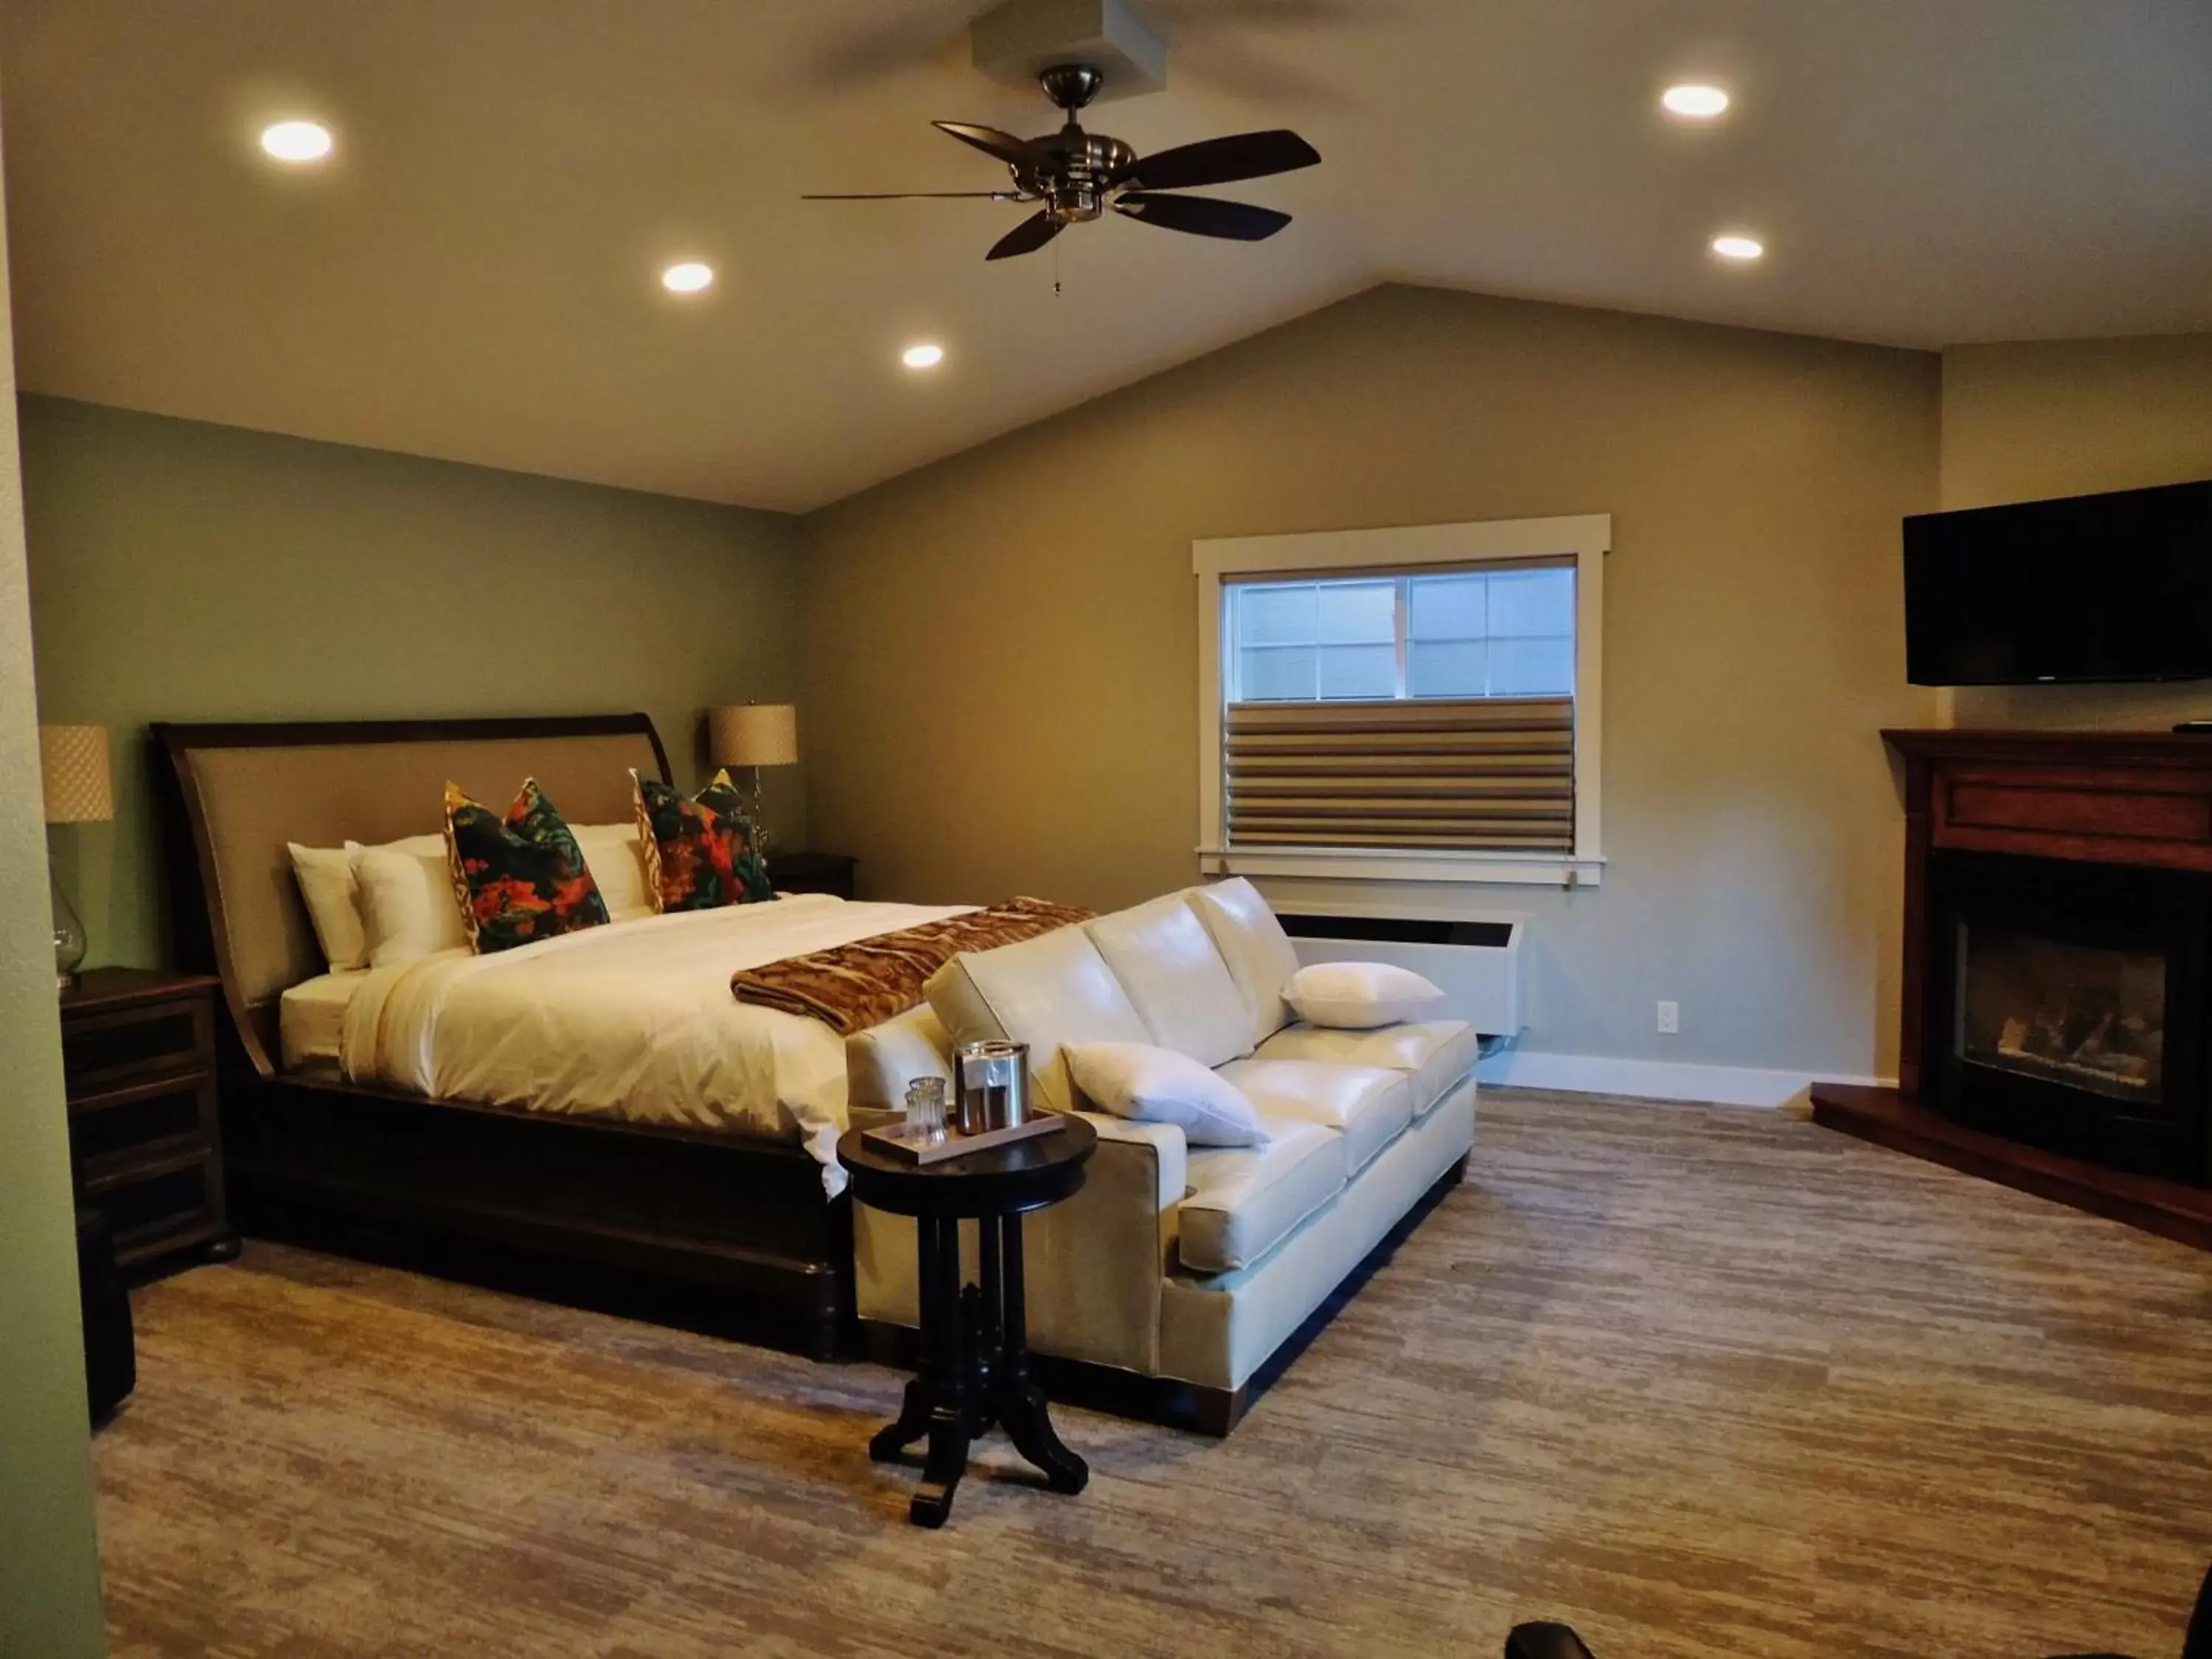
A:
(699, 854)
(519, 879)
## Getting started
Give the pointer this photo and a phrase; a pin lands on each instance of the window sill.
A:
(1337, 864)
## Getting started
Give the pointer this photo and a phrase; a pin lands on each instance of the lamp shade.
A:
(74, 767)
(757, 734)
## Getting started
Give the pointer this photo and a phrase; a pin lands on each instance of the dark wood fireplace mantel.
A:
(2131, 799)
(2123, 798)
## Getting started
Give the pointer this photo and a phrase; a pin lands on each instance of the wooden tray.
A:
(956, 1144)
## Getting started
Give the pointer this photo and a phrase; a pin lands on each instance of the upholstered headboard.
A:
(244, 791)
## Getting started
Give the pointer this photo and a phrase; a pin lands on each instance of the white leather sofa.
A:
(1187, 1267)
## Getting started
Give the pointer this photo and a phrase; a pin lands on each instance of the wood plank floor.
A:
(1700, 1381)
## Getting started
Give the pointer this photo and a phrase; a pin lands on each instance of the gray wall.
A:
(2071, 417)
(1002, 659)
(49, 1554)
(183, 571)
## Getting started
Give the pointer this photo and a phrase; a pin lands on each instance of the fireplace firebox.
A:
(2068, 1004)
(2057, 972)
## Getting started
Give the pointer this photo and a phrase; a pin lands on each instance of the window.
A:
(1408, 704)
(1503, 633)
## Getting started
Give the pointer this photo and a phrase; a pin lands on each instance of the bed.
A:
(600, 1102)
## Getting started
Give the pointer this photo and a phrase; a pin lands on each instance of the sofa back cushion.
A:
(1176, 980)
(1259, 953)
(1046, 991)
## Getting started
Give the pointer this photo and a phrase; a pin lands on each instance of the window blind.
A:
(1487, 774)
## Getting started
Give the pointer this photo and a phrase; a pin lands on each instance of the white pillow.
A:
(615, 858)
(1359, 996)
(1159, 1085)
(326, 883)
(407, 904)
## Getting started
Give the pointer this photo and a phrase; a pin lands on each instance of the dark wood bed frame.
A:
(729, 1231)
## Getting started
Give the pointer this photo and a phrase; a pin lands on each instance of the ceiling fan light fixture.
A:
(296, 142)
(1739, 250)
(927, 355)
(1694, 100)
(688, 277)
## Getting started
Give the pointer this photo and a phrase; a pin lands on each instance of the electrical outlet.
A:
(1671, 1020)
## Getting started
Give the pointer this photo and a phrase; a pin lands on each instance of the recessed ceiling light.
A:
(922, 356)
(296, 141)
(1694, 101)
(689, 277)
(1738, 247)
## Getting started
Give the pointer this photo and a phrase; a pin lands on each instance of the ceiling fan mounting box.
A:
(1016, 42)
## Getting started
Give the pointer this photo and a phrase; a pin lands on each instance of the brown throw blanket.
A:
(865, 983)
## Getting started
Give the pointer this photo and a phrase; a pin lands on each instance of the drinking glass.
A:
(925, 1109)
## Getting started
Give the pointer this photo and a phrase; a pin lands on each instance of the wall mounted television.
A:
(2084, 589)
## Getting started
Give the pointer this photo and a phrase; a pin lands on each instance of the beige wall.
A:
(182, 571)
(1002, 658)
(2070, 417)
(49, 1553)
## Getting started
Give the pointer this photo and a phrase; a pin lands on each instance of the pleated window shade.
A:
(1472, 774)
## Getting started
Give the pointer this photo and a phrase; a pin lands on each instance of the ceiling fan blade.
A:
(1027, 237)
(1219, 161)
(1202, 216)
(921, 196)
(1014, 151)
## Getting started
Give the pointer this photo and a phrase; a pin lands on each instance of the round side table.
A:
(974, 1368)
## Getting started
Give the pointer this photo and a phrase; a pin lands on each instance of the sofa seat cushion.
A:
(1434, 1054)
(1368, 1105)
(1169, 968)
(1244, 1201)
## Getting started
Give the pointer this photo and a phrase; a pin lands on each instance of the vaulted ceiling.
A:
(474, 273)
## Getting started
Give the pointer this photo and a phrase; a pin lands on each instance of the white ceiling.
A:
(474, 276)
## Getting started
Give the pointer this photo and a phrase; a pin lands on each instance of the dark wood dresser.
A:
(812, 872)
(138, 1054)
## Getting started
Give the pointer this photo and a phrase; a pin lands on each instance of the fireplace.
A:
(2057, 972)
(2068, 1004)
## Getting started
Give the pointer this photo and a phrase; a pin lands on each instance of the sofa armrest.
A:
(1162, 1143)
(1094, 1264)
(881, 1061)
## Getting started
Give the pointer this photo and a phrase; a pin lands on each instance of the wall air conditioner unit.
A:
(1477, 965)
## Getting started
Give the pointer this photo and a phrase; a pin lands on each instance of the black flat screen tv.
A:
(2088, 588)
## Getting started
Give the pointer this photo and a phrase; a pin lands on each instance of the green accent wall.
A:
(184, 571)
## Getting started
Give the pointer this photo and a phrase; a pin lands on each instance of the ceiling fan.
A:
(1076, 176)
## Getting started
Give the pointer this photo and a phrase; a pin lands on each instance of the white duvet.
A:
(634, 1020)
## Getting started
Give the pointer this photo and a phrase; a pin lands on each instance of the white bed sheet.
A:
(634, 1020)
(311, 1020)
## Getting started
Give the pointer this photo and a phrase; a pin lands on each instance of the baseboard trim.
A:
(1657, 1079)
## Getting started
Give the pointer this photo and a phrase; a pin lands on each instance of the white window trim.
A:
(1586, 538)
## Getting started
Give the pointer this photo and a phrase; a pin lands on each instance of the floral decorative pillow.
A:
(699, 854)
(519, 879)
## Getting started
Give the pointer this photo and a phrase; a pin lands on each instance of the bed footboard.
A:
(715, 1232)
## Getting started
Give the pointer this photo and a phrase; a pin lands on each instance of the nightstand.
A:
(145, 1147)
(811, 872)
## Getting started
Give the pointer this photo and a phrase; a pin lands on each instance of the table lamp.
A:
(77, 780)
(756, 735)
